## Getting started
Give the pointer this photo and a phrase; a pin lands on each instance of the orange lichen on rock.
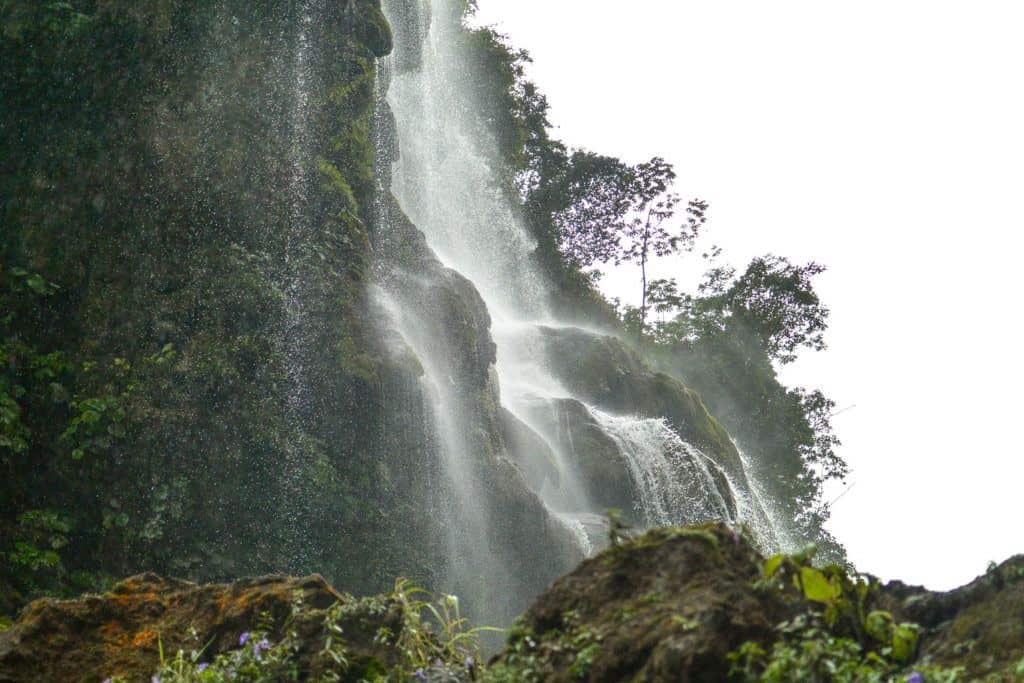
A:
(145, 639)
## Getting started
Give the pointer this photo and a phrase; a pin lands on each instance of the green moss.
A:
(335, 181)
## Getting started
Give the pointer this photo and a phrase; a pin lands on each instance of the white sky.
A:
(884, 139)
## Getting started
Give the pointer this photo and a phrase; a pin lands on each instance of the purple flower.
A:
(915, 678)
(202, 667)
(419, 675)
(260, 646)
(155, 679)
(244, 638)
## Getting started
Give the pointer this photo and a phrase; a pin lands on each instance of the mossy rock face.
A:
(979, 626)
(370, 25)
(154, 179)
(603, 371)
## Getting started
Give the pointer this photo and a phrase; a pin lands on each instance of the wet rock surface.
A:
(979, 626)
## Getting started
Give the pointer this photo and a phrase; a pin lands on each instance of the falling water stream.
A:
(443, 177)
(298, 236)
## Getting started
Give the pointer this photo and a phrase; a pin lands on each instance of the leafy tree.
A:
(605, 211)
(646, 233)
(775, 300)
(593, 210)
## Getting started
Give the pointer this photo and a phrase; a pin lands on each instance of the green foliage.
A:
(434, 630)
(813, 655)
(521, 661)
(38, 537)
(619, 529)
(431, 635)
(580, 667)
(837, 638)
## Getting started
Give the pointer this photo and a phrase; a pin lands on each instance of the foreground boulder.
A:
(668, 606)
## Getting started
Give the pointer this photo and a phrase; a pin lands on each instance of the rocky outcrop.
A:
(602, 468)
(602, 370)
(530, 452)
(667, 607)
(676, 604)
(979, 626)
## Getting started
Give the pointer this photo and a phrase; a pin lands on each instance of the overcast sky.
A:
(884, 139)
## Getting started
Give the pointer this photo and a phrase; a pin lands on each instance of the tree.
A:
(646, 234)
(594, 203)
(605, 211)
(776, 301)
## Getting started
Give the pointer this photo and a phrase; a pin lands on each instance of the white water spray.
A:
(673, 479)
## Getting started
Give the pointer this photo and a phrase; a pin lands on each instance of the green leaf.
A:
(772, 565)
(817, 587)
(807, 554)
(38, 285)
(904, 642)
(78, 454)
(879, 626)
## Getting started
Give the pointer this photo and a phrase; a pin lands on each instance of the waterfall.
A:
(474, 280)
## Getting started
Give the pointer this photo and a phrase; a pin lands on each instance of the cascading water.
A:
(441, 171)
(771, 524)
(673, 479)
(298, 237)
